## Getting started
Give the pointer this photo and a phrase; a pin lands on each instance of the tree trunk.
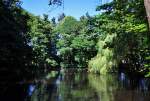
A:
(147, 7)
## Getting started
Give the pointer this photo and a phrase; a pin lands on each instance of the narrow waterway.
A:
(72, 85)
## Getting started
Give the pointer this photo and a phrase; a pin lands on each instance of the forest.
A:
(105, 57)
(117, 39)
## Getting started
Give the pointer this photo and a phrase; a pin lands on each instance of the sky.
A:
(75, 8)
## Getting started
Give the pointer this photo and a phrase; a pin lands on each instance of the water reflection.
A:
(73, 85)
(80, 86)
(31, 88)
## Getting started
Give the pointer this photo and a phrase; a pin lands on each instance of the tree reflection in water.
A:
(81, 86)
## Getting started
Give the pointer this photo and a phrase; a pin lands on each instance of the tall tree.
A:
(123, 35)
(15, 53)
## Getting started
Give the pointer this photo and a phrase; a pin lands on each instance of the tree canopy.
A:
(116, 38)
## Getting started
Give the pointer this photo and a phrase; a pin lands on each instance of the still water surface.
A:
(81, 86)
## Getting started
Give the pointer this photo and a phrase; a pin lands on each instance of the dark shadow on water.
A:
(13, 92)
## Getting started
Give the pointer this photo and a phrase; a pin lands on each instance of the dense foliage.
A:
(116, 39)
(26, 42)
(124, 37)
(75, 44)
(15, 54)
